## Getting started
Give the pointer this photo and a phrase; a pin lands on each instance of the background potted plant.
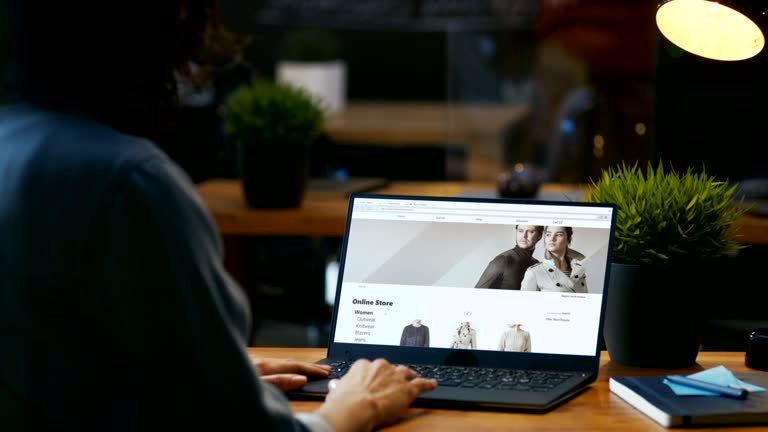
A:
(311, 59)
(671, 230)
(274, 126)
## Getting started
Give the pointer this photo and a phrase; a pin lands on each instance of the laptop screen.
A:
(473, 274)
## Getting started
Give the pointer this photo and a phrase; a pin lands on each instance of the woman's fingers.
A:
(286, 382)
(270, 366)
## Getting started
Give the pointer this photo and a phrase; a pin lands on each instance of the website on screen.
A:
(474, 275)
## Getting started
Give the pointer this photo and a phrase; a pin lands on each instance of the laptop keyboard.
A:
(475, 377)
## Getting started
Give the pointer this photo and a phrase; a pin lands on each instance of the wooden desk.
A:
(594, 410)
(478, 127)
(323, 214)
(754, 229)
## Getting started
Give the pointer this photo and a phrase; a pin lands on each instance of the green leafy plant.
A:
(664, 216)
(272, 113)
(309, 46)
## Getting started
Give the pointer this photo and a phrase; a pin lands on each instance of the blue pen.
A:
(732, 392)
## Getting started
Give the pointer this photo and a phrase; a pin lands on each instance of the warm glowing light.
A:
(598, 146)
(640, 128)
(709, 29)
(598, 141)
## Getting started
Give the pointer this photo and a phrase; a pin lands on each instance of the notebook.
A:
(649, 395)
(406, 292)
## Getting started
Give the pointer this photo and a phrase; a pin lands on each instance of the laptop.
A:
(406, 292)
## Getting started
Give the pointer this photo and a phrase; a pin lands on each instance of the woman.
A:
(465, 337)
(561, 270)
(116, 312)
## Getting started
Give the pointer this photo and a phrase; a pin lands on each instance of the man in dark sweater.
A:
(506, 270)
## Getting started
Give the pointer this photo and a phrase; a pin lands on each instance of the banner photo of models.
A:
(488, 256)
(476, 286)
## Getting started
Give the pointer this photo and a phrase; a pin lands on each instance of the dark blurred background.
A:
(601, 86)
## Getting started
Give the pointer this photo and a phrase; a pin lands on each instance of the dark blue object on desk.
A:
(757, 349)
(347, 186)
(652, 397)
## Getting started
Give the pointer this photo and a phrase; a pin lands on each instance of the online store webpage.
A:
(448, 275)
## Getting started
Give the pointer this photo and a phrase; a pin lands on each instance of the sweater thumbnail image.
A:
(415, 334)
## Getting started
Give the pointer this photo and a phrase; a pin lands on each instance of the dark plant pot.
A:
(655, 316)
(273, 175)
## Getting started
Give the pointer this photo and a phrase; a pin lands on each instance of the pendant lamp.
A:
(713, 30)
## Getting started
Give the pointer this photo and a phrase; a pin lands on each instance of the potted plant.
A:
(671, 229)
(273, 126)
(311, 59)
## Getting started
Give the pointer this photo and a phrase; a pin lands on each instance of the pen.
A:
(733, 392)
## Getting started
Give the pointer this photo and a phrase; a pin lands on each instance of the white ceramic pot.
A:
(325, 80)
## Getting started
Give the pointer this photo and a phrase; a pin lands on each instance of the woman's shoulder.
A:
(88, 160)
(69, 150)
(540, 266)
(575, 255)
(60, 139)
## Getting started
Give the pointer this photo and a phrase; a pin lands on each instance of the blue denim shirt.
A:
(115, 309)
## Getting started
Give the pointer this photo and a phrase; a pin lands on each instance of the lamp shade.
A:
(709, 29)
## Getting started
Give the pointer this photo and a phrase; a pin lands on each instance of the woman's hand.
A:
(372, 394)
(289, 374)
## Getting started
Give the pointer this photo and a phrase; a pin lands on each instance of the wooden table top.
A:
(596, 409)
(323, 214)
(420, 123)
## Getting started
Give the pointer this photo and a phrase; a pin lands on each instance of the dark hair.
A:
(568, 231)
(103, 58)
(539, 228)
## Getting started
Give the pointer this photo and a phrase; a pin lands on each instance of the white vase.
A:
(325, 80)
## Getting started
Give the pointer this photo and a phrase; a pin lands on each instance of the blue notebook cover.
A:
(649, 395)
